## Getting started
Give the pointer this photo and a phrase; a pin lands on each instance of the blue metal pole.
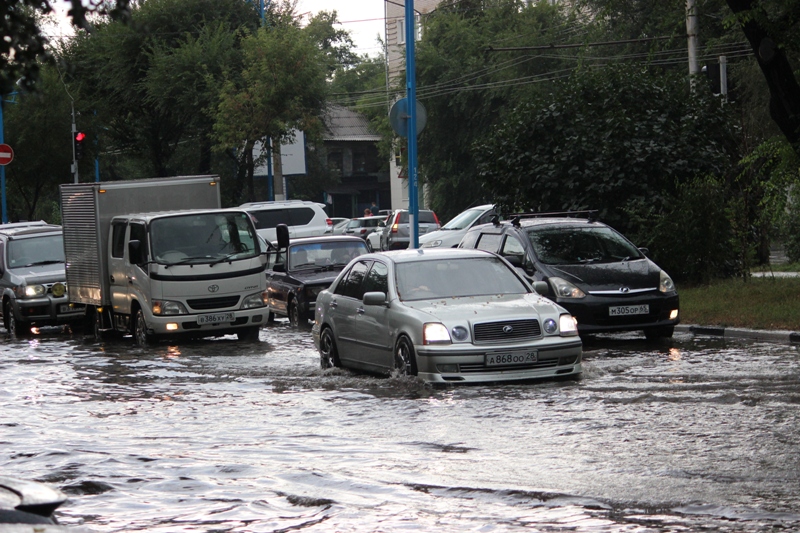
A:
(411, 96)
(270, 184)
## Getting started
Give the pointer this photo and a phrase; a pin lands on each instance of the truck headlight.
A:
(254, 300)
(168, 307)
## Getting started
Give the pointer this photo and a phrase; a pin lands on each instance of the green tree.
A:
(467, 84)
(38, 126)
(152, 82)
(607, 139)
(280, 88)
(23, 49)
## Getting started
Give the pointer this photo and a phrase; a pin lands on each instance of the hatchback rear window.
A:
(425, 217)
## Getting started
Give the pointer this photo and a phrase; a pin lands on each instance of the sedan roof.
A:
(429, 254)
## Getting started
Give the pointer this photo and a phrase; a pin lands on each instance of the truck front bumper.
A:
(209, 324)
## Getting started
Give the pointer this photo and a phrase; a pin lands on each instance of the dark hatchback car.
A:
(598, 275)
(313, 263)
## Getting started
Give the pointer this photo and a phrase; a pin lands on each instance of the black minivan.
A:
(604, 280)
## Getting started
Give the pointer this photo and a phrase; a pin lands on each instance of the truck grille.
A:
(506, 331)
(213, 303)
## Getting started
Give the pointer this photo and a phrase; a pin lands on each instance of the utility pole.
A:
(691, 34)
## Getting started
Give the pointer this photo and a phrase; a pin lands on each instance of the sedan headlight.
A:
(665, 284)
(435, 333)
(568, 325)
(564, 289)
(168, 307)
(254, 300)
(432, 244)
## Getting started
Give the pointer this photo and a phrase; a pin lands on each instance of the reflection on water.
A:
(683, 435)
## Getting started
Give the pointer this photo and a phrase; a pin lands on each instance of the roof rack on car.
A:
(591, 215)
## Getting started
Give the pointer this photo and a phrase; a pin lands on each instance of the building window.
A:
(401, 28)
(335, 164)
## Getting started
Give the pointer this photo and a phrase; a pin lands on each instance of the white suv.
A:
(304, 218)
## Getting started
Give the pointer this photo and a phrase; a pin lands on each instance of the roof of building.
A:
(343, 124)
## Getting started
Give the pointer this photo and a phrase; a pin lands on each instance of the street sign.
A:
(398, 117)
(6, 154)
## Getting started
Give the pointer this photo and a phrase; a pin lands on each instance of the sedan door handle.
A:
(334, 305)
(360, 311)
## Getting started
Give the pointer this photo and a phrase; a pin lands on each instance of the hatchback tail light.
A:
(396, 222)
(436, 219)
(329, 222)
(363, 231)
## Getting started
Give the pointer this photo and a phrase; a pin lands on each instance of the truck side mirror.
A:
(135, 255)
(282, 232)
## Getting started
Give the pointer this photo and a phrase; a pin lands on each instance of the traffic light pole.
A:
(74, 158)
(411, 96)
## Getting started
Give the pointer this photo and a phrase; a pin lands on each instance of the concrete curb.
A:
(782, 337)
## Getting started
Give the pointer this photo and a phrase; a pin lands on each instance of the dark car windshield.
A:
(581, 245)
(453, 278)
(320, 254)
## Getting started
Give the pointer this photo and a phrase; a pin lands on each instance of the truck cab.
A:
(185, 273)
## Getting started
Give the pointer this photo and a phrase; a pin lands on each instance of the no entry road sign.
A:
(6, 154)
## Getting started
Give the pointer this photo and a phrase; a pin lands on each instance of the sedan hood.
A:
(486, 308)
(638, 274)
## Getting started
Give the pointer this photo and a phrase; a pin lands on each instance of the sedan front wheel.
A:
(405, 361)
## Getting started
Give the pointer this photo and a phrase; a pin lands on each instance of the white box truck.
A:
(159, 258)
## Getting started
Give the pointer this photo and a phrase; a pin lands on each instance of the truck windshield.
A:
(203, 238)
(44, 250)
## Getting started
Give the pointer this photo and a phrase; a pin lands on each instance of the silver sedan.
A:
(445, 315)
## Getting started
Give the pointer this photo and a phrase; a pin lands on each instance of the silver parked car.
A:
(445, 315)
(451, 233)
(396, 233)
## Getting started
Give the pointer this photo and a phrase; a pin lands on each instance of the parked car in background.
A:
(396, 233)
(445, 315)
(592, 270)
(339, 225)
(297, 273)
(303, 218)
(362, 227)
(32, 278)
(451, 233)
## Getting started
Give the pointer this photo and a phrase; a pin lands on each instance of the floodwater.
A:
(692, 434)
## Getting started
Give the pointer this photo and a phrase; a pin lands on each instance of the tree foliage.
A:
(606, 139)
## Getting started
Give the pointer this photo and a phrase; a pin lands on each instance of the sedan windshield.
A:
(453, 278)
(581, 245)
(203, 237)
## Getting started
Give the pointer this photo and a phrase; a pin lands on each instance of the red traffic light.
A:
(80, 136)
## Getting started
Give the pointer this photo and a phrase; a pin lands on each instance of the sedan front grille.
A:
(506, 331)
(214, 303)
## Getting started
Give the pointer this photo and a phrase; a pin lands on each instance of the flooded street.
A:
(694, 434)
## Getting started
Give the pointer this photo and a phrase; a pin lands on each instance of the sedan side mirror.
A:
(542, 287)
(645, 251)
(374, 298)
